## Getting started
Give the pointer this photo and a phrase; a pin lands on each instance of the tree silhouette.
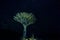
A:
(25, 19)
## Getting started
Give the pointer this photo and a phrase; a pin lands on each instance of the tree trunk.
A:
(24, 33)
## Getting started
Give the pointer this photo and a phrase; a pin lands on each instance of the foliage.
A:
(25, 18)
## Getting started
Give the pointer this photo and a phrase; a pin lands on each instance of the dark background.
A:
(46, 12)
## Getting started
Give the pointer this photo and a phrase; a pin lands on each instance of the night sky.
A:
(46, 12)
